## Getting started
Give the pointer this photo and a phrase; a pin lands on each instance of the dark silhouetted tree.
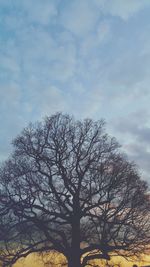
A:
(67, 188)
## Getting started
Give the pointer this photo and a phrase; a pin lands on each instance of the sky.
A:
(88, 58)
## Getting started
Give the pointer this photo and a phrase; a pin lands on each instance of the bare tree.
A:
(67, 188)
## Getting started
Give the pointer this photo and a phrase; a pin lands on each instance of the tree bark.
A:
(74, 258)
(74, 262)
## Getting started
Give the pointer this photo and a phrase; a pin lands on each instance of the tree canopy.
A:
(68, 188)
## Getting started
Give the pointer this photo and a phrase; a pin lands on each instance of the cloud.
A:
(126, 9)
(138, 129)
(42, 12)
(8, 63)
(103, 31)
(120, 8)
(141, 156)
(79, 17)
(10, 95)
(42, 55)
(133, 132)
(92, 42)
(10, 119)
(84, 103)
(50, 100)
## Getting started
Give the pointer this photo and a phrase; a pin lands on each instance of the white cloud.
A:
(79, 17)
(51, 100)
(11, 117)
(40, 11)
(103, 31)
(126, 9)
(121, 8)
(9, 96)
(9, 64)
(64, 65)
(86, 104)
(133, 132)
(78, 87)
(37, 54)
(101, 35)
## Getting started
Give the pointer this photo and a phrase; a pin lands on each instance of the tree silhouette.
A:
(67, 188)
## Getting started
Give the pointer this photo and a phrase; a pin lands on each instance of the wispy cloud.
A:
(123, 9)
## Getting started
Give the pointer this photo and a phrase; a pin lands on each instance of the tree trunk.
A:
(74, 257)
(74, 262)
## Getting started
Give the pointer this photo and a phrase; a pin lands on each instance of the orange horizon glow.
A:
(35, 260)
